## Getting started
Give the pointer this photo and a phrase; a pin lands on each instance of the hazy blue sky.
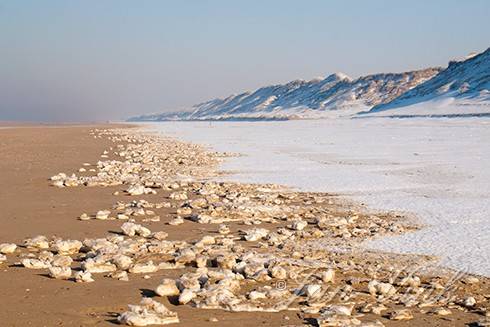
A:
(95, 60)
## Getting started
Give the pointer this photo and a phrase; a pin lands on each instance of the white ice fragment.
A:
(7, 248)
(168, 287)
(67, 246)
(60, 272)
(149, 312)
(255, 234)
(83, 277)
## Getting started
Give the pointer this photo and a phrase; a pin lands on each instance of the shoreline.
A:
(200, 223)
(406, 167)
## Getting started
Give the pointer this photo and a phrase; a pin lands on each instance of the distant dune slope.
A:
(336, 94)
(462, 88)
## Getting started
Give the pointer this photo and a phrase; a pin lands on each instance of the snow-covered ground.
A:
(437, 169)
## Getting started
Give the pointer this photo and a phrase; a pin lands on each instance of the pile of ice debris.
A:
(146, 162)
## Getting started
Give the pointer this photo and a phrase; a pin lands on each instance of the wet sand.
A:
(30, 207)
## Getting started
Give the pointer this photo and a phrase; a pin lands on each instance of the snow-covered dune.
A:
(462, 89)
(335, 95)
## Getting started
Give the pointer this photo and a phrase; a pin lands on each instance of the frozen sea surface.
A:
(437, 169)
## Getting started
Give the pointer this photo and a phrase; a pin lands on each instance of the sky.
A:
(109, 60)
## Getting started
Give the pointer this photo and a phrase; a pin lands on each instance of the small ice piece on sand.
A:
(7, 248)
(149, 312)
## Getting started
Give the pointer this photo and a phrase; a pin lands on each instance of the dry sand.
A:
(30, 206)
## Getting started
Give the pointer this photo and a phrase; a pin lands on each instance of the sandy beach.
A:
(253, 163)
(32, 206)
